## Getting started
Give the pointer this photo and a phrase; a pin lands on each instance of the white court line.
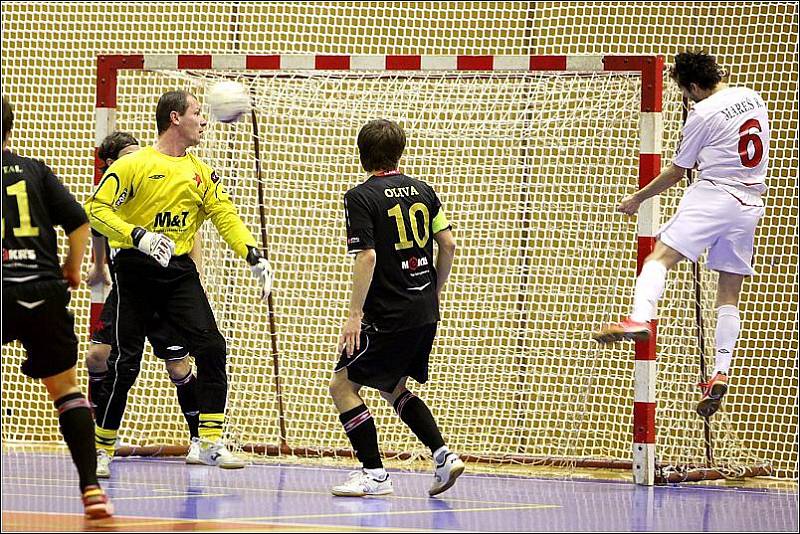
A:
(298, 492)
(489, 476)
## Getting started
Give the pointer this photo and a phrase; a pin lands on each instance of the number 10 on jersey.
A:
(399, 218)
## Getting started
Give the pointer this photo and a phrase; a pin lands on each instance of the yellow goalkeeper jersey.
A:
(164, 194)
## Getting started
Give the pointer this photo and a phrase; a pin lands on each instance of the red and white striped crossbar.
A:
(650, 68)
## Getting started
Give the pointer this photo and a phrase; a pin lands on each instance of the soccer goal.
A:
(529, 155)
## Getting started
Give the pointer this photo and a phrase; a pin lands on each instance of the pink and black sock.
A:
(77, 427)
(416, 415)
(360, 428)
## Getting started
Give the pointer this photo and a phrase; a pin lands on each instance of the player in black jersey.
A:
(168, 345)
(35, 299)
(392, 221)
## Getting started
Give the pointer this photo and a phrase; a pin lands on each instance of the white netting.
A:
(529, 169)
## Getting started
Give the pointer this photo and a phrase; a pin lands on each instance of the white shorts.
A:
(718, 218)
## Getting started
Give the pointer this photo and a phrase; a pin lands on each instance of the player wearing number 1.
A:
(35, 299)
(726, 137)
(392, 221)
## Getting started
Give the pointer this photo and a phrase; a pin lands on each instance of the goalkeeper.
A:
(149, 205)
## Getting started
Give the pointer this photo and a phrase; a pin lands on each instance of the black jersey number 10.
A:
(420, 237)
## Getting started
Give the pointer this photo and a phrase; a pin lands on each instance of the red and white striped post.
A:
(650, 68)
(650, 137)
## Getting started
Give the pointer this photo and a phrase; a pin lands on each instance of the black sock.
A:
(360, 428)
(186, 388)
(95, 386)
(77, 427)
(416, 415)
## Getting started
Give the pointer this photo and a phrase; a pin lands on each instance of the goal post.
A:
(510, 388)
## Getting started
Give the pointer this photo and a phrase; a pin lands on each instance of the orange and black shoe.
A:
(626, 329)
(96, 504)
(713, 391)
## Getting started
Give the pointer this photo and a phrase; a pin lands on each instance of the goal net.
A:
(530, 167)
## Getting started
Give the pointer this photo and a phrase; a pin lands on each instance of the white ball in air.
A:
(228, 101)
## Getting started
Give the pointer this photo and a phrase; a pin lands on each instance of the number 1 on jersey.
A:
(20, 190)
(397, 213)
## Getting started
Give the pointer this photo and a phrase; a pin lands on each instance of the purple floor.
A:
(295, 496)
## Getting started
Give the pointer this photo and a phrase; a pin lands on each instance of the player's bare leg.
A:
(77, 427)
(728, 325)
(360, 428)
(447, 466)
(649, 288)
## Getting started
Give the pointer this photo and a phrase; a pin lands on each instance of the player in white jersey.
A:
(726, 137)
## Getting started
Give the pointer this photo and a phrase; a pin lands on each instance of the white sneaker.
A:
(103, 464)
(217, 454)
(361, 484)
(446, 473)
(193, 456)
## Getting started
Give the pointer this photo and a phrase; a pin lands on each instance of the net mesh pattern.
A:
(529, 168)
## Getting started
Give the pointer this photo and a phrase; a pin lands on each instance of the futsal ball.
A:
(228, 101)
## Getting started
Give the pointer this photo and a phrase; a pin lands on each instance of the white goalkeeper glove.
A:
(158, 246)
(262, 270)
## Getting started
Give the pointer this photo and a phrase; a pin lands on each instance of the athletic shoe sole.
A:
(709, 406)
(454, 474)
(99, 511)
(613, 337)
(230, 466)
(343, 493)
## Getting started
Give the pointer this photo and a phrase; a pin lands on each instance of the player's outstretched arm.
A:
(444, 260)
(668, 177)
(363, 270)
(78, 240)
(223, 215)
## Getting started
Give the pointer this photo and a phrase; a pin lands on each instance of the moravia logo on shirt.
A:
(156, 177)
(166, 219)
(414, 263)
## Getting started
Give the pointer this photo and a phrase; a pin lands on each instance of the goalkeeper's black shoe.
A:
(713, 391)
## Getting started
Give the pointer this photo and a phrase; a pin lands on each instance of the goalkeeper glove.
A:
(158, 246)
(261, 269)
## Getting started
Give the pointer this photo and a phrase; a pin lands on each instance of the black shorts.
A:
(167, 343)
(385, 357)
(36, 314)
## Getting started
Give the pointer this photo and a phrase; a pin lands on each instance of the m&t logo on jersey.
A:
(166, 219)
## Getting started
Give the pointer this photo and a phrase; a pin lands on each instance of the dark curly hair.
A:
(113, 144)
(696, 67)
